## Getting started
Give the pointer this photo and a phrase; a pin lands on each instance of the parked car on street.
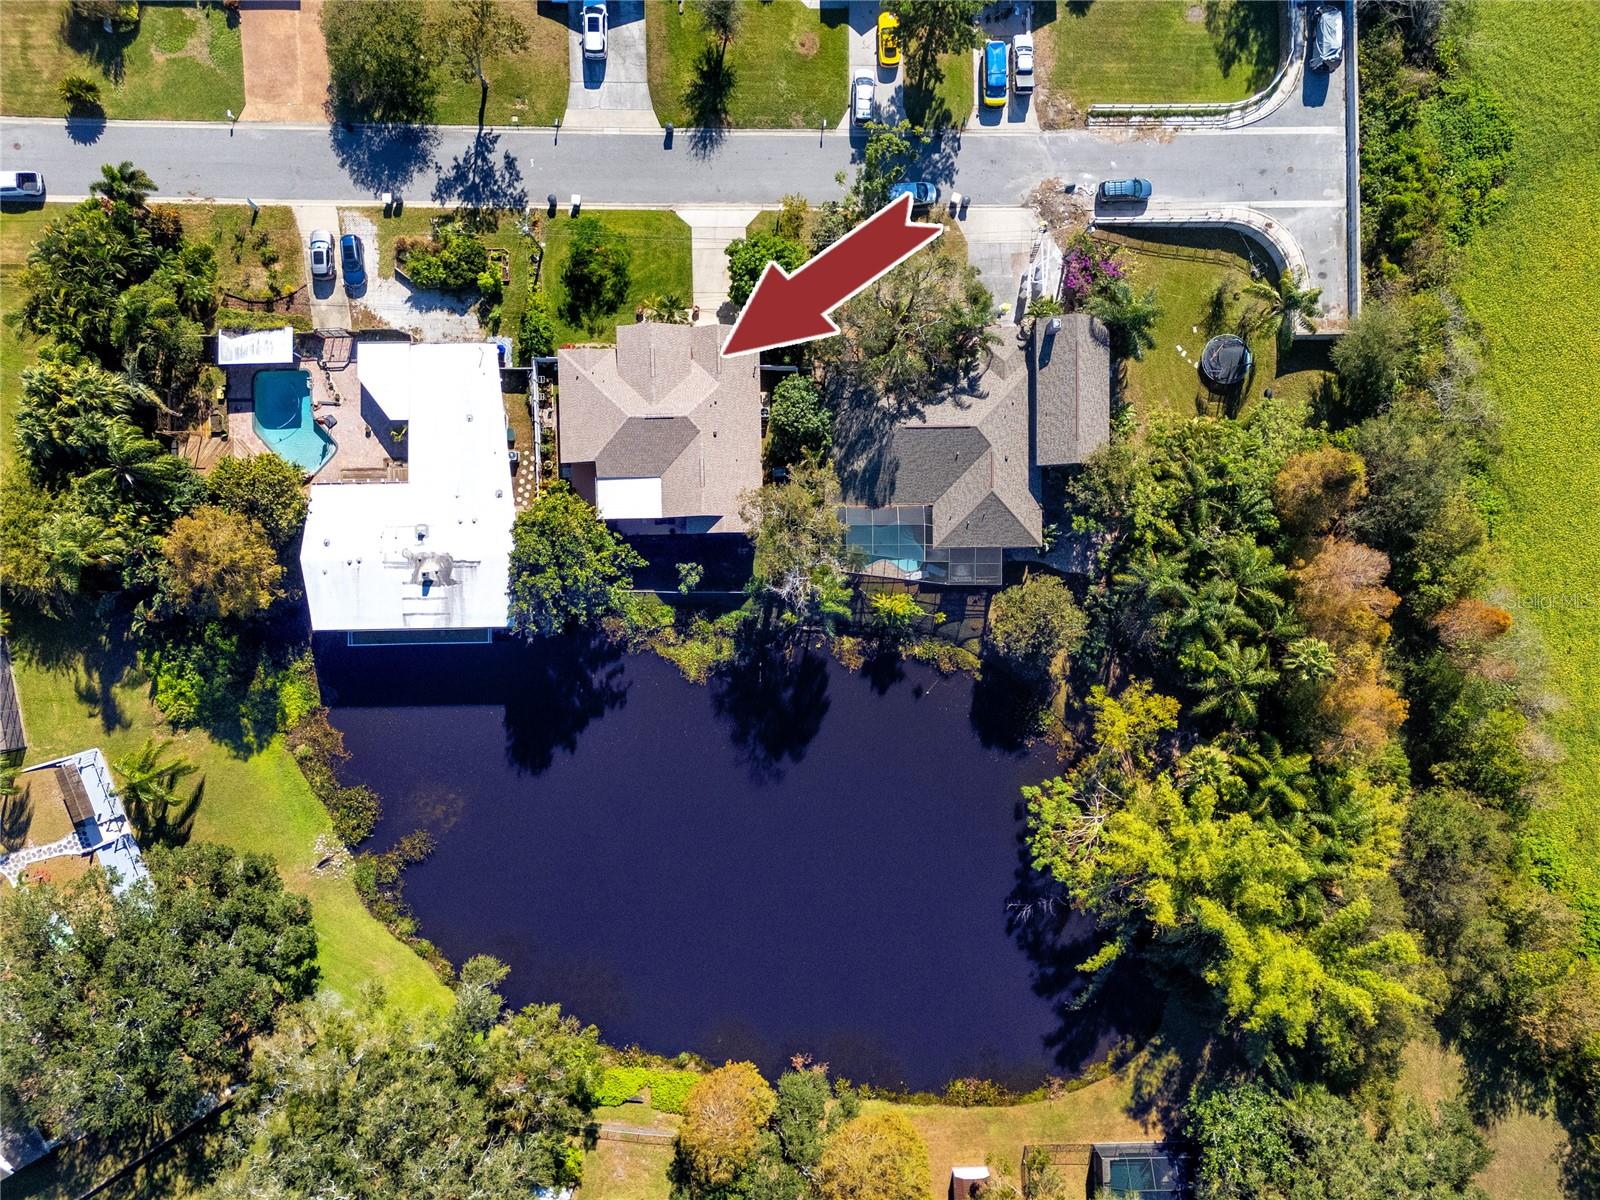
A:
(594, 29)
(888, 40)
(352, 261)
(995, 69)
(922, 192)
(1327, 38)
(1125, 189)
(21, 185)
(863, 93)
(1022, 62)
(321, 254)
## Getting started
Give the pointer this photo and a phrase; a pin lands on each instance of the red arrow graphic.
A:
(786, 309)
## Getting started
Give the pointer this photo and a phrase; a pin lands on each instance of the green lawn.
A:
(661, 263)
(1186, 270)
(1132, 51)
(950, 103)
(530, 85)
(178, 64)
(17, 232)
(1541, 328)
(250, 251)
(787, 66)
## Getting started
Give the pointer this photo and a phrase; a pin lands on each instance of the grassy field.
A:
(1134, 51)
(178, 64)
(786, 68)
(17, 232)
(1186, 271)
(530, 85)
(1541, 331)
(950, 104)
(250, 252)
(661, 264)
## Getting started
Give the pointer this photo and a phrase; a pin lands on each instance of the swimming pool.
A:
(283, 419)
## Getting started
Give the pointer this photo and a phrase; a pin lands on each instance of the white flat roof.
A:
(432, 552)
(627, 499)
(256, 347)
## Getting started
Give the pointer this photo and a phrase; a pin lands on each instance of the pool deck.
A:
(358, 455)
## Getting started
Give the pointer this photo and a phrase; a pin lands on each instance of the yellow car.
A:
(888, 40)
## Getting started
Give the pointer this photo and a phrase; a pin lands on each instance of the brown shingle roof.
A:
(1072, 389)
(665, 404)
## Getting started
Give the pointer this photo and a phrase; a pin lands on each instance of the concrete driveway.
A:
(613, 92)
(1001, 23)
(330, 307)
(1000, 242)
(890, 105)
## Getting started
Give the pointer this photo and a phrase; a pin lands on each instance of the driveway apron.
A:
(613, 92)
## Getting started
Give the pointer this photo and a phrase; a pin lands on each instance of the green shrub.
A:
(235, 320)
(536, 331)
(79, 92)
(668, 1088)
(452, 262)
(618, 1085)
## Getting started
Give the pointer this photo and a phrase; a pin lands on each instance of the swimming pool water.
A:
(284, 422)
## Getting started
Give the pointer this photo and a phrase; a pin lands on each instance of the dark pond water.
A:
(805, 860)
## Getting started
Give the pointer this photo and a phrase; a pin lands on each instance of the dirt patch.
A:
(285, 63)
(807, 45)
(1055, 110)
(1195, 14)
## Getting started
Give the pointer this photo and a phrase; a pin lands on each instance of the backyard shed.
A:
(1225, 362)
(258, 347)
(968, 1182)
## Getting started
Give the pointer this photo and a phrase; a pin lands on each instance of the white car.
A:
(863, 94)
(21, 185)
(594, 30)
(1022, 62)
(321, 254)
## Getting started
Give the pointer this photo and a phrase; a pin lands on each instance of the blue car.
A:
(1125, 189)
(995, 70)
(352, 260)
(922, 193)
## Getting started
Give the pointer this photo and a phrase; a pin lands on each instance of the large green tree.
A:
(368, 1105)
(920, 329)
(748, 258)
(567, 567)
(801, 424)
(930, 31)
(876, 1156)
(265, 489)
(383, 60)
(1260, 880)
(724, 1117)
(121, 1013)
(800, 555)
(1032, 623)
(217, 565)
(598, 272)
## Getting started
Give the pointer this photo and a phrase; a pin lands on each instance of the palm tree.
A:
(136, 465)
(1230, 680)
(669, 308)
(1291, 304)
(77, 542)
(124, 182)
(149, 781)
(1130, 317)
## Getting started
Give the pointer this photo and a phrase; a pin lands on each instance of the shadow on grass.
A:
(90, 641)
(706, 98)
(1245, 34)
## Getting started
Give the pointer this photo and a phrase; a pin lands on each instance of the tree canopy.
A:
(369, 1105)
(875, 1156)
(723, 1119)
(217, 565)
(265, 489)
(748, 258)
(800, 554)
(383, 59)
(801, 424)
(122, 1012)
(566, 566)
(598, 272)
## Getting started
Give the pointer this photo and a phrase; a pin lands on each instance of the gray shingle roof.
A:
(1072, 405)
(665, 404)
(968, 454)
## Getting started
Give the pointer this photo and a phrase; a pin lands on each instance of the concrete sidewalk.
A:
(711, 229)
